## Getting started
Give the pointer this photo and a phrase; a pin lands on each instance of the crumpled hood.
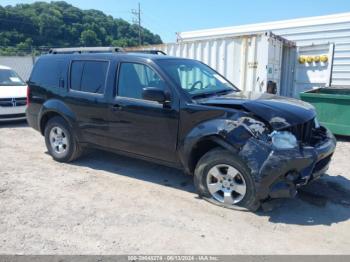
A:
(279, 112)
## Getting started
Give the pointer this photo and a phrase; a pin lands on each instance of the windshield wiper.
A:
(203, 95)
(224, 92)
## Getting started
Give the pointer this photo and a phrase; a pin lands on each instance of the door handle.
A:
(61, 83)
(116, 107)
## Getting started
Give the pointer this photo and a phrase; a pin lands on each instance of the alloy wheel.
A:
(58, 140)
(226, 184)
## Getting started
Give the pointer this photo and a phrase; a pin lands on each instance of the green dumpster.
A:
(332, 106)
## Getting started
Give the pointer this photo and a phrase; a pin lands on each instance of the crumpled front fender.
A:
(276, 173)
(228, 133)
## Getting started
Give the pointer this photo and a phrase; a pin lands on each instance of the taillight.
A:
(28, 95)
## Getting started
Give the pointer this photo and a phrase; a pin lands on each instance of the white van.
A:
(13, 92)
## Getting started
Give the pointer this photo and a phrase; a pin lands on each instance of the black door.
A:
(87, 100)
(138, 126)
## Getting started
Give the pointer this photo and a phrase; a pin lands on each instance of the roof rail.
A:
(79, 50)
(153, 52)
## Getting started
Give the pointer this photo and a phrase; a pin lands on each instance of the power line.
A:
(137, 20)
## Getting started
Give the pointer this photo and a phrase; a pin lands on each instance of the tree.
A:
(121, 42)
(59, 24)
(89, 38)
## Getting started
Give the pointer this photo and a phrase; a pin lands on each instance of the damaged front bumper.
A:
(279, 173)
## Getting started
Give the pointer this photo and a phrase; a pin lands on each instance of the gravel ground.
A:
(108, 204)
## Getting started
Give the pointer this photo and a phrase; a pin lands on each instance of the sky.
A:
(166, 17)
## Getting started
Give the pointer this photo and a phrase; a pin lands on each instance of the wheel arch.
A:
(203, 146)
(54, 108)
(228, 134)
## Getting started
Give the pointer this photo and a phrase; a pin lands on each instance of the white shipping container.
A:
(306, 32)
(248, 61)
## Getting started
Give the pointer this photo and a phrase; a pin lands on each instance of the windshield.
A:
(195, 78)
(9, 77)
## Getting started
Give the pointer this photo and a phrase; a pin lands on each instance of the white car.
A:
(13, 93)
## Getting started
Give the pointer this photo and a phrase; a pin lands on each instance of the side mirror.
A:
(154, 94)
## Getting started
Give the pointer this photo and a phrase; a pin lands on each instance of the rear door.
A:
(139, 126)
(86, 97)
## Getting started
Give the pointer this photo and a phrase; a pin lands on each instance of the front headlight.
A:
(283, 140)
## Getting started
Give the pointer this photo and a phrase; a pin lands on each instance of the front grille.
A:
(13, 102)
(2, 117)
(308, 134)
(303, 132)
(322, 163)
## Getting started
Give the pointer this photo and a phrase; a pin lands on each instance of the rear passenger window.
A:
(89, 76)
(75, 75)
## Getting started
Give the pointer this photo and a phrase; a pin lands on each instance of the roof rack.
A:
(80, 50)
(153, 52)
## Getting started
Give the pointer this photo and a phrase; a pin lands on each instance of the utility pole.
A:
(137, 20)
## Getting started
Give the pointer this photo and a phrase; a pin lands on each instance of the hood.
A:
(13, 91)
(279, 112)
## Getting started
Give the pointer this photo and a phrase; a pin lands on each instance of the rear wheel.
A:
(223, 179)
(60, 140)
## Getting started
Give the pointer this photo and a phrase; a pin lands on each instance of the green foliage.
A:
(89, 38)
(28, 27)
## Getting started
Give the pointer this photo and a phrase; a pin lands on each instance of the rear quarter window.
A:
(49, 72)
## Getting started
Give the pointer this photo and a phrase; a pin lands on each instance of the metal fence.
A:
(21, 64)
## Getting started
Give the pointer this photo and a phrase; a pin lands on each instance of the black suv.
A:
(242, 148)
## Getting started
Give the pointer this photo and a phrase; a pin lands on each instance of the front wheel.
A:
(60, 140)
(223, 179)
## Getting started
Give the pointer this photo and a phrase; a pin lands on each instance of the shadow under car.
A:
(323, 202)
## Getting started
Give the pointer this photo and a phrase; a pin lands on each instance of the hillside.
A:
(37, 26)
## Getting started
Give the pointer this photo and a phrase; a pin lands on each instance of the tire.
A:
(221, 175)
(60, 141)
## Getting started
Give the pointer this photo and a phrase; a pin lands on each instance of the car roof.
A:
(111, 56)
(5, 67)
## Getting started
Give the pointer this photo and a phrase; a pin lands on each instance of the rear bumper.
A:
(279, 173)
(12, 113)
(32, 120)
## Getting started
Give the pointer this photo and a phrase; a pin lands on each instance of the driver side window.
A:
(133, 77)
